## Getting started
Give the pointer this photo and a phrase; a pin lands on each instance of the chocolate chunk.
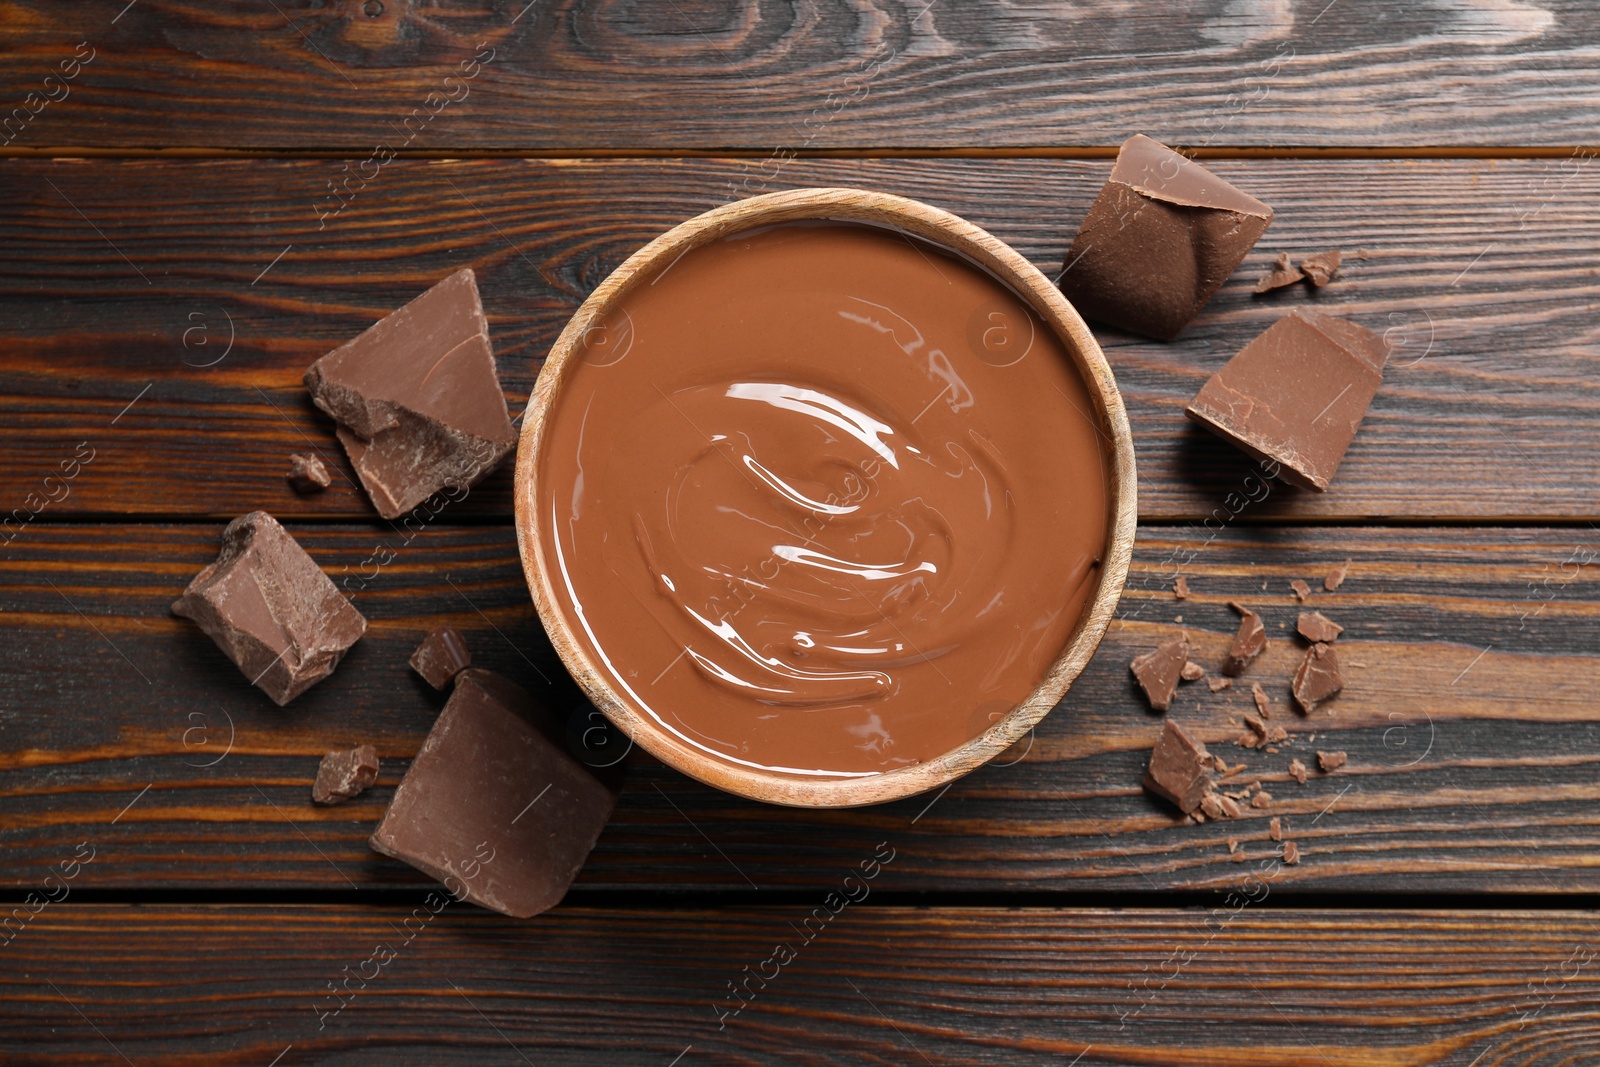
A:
(1216, 685)
(494, 805)
(1280, 275)
(1180, 768)
(1259, 695)
(1331, 761)
(270, 609)
(1233, 845)
(1262, 799)
(1321, 268)
(1291, 853)
(1276, 735)
(441, 656)
(417, 398)
(1336, 576)
(345, 774)
(1192, 672)
(1314, 626)
(1161, 238)
(1298, 771)
(1217, 806)
(1318, 678)
(1275, 829)
(1180, 588)
(1248, 643)
(1158, 671)
(1257, 725)
(1296, 394)
(307, 473)
(1302, 591)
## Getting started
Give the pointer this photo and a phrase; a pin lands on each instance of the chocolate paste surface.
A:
(823, 499)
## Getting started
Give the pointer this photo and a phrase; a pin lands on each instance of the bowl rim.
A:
(955, 234)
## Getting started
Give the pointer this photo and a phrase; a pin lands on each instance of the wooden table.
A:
(170, 262)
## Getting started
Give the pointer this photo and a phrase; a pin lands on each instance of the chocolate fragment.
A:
(1158, 672)
(441, 656)
(1192, 672)
(1321, 268)
(494, 805)
(1298, 771)
(1180, 588)
(1302, 591)
(1336, 576)
(307, 473)
(1318, 678)
(1280, 275)
(1233, 845)
(1275, 829)
(1259, 695)
(1248, 643)
(1216, 685)
(1314, 626)
(1180, 768)
(1217, 806)
(1257, 725)
(1291, 853)
(1262, 799)
(1331, 761)
(271, 609)
(417, 398)
(1296, 394)
(1160, 239)
(345, 774)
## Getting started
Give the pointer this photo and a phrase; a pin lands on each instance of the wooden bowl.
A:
(940, 228)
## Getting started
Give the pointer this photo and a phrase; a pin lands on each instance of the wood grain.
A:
(118, 276)
(1238, 985)
(1473, 735)
(564, 76)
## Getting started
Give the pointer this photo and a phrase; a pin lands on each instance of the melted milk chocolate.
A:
(823, 500)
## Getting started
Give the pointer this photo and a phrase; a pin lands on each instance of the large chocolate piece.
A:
(441, 656)
(1296, 394)
(1318, 678)
(417, 398)
(1158, 672)
(1248, 643)
(1180, 768)
(494, 805)
(345, 774)
(1161, 238)
(268, 606)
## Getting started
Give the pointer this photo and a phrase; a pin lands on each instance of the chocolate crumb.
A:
(1217, 806)
(1216, 685)
(1231, 771)
(1318, 679)
(1233, 844)
(1314, 626)
(1291, 853)
(1263, 705)
(1192, 672)
(1240, 857)
(1158, 671)
(1336, 576)
(1257, 725)
(1322, 268)
(1248, 643)
(1248, 741)
(1280, 274)
(1298, 771)
(307, 473)
(1275, 829)
(1277, 735)
(1180, 588)
(1262, 799)
(1331, 761)
(1180, 768)
(345, 774)
(1302, 591)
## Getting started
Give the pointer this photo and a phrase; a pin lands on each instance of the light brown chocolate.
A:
(1248, 643)
(1318, 680)
(1314, 626)
(1180, 768)
(1158, 671)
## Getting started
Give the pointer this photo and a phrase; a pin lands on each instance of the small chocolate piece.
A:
(417, 398)
(1240, 857)
(1259, 695)
(1158, 672)
(1192, 672)
(1180, 768)
(1336, 576)
(1318, 679)
(1257, 725)
(1276, 735)
(1275, 829)
(1216, 685)
(1217, 806)
(441, 656)
(1180, 588)
(494, 805)
(1161, 238)
(307, 473)
(1331, 761)
(1233, 845)
(1314, 626)
(1262, 799)
(345, 774)
(1321, 268)
(1248, 643)
(1298, 771)
(1280, 275)
(270, 609)
(1291, 853)
(1302, 591)
(1296, 394)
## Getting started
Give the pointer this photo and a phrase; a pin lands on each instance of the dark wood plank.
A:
(1237, 984)
(1481, 273)
(1470, 722)
(815, 74)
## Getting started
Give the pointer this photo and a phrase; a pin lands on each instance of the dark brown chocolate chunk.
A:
(1161, 238)
(1291, 853)
(1318, 679)
(1302, 591)
(1336, 576)
(270, 609)
(1180, 588)
(1296, 394)
(494, 805)
(1331, 761)
(1192, 672)
(1280, 275)
(1180, 768)
(345, 774)
(1297, 770)
(417, 398)
(1248, 643)
(1158, 671)
(1314, 626)
(1321, 268)
(441, 656)
(307, 473)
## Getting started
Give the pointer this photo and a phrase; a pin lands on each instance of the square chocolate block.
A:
(1296, 394)
(1160, 239)
(441, 656)
(271, 609)
(417, 398)
(494, 805)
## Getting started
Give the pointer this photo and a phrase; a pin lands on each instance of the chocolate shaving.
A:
(1260, 696)
(1217, 806)
(1180, 588)
(1298, 771)
(1275, 829)
(1336, 576)
(1158, 671)
(1279, 275)
(1262, 799)
(307, 473)
(1314, 626)
(1291, 853)
(345, 774)
(1318, 679)
(1248, 643)
(1331, 761)
(1322, 268)
(1180, 768)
